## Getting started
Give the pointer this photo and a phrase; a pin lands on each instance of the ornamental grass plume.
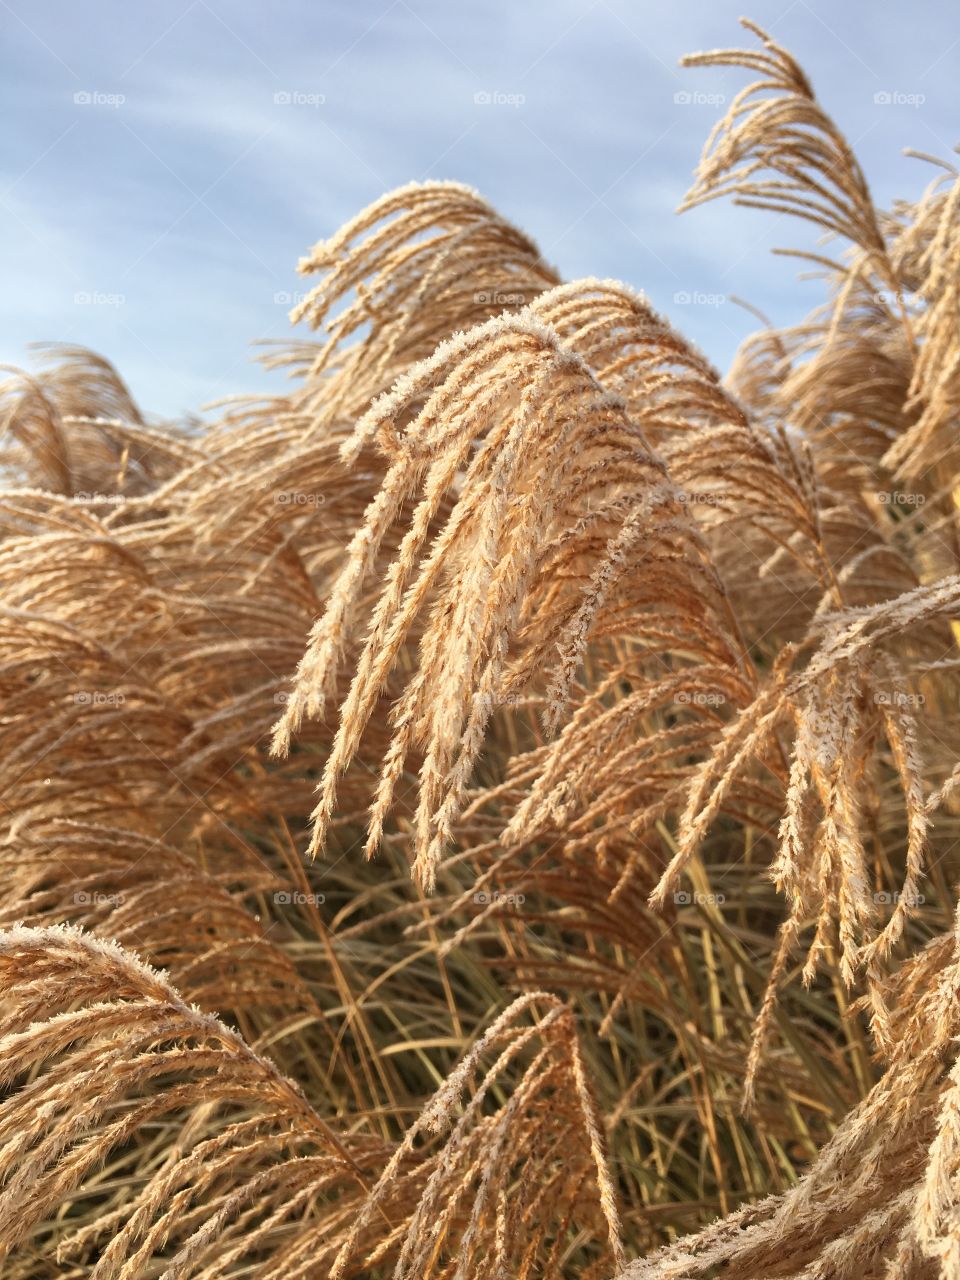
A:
(637, 688)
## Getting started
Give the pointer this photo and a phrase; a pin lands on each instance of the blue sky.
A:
(167, 164)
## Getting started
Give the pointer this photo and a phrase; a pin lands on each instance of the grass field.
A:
(490, 810)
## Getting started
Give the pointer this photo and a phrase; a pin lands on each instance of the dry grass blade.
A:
(556, 492)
